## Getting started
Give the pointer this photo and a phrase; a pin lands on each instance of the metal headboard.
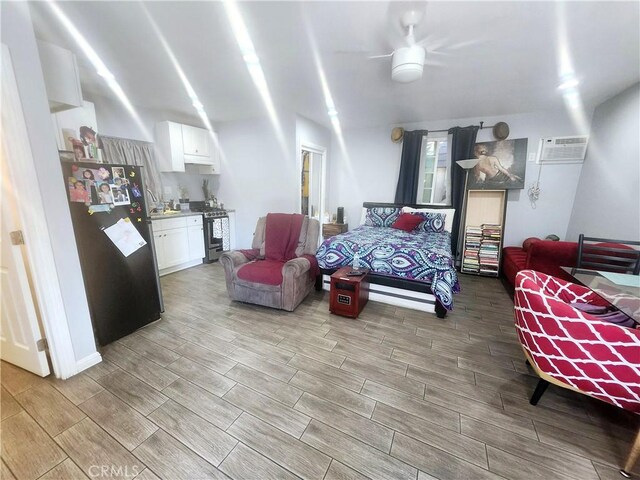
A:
(399, 205)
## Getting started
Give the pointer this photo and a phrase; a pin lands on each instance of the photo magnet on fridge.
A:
(78, 191)
(118, 172)
(120, 183)
(135, 190)
(99, 208)
(104, 174)
(88, 176)
(104, 193)
(120, 196)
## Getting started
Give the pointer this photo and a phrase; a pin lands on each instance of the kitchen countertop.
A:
(186, 213)
(161, 216)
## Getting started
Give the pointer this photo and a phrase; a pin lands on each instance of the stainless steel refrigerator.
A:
(118, 262)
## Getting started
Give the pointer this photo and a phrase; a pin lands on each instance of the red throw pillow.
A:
(527, 243)
(407, 222)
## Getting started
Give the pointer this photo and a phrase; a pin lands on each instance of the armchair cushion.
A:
(267, 272)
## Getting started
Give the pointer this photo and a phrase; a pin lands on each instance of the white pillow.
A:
(449, 212)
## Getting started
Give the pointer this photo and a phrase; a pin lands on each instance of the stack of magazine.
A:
(470, 259)
(490, 248)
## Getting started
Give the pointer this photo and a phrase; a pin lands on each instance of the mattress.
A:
(422, 257)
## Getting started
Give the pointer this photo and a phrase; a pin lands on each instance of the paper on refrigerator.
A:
(125, 236)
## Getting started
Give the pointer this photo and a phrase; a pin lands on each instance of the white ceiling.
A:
(508, 62)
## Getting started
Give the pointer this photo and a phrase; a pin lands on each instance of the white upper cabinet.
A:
(195, 141)
(177, 145)
(61, 77)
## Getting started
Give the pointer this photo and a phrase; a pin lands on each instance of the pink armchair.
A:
(277, 284)
(573, 349)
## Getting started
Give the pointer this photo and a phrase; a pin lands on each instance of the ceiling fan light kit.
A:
(407, 64)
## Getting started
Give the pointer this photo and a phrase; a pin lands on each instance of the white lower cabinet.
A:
(176, 246)
(179, 242)
(159, 246)
(196, 241)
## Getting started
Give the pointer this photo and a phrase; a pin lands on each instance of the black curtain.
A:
(462, 143)
(407, 189)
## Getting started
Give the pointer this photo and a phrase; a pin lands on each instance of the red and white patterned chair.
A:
(575, 350)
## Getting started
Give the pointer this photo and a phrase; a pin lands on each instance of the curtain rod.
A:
(446, 130)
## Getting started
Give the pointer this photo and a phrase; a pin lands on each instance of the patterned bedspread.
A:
(424, 257)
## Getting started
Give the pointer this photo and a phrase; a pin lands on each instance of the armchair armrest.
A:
(295, 267)
(233, 259)
(547, 257)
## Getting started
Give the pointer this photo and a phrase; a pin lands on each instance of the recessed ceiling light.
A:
(332, 113)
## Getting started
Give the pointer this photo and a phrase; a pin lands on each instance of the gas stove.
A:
(217, 238)
(207, 211)
(215, 213)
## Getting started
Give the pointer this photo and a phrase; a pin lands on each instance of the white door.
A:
(196, 242)
(19, 328)
(313, 175)
(315, 192)
(176, 246)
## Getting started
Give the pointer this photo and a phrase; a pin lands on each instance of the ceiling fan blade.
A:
(464, 44)
(433, 63)
(443, 47)
(380, 56)
(351, 52)
(437, 52)
(428, 40)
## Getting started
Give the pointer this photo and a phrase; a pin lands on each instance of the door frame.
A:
(46, 283)
(322, 151)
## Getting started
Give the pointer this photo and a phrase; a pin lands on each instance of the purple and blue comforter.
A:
(424, 257)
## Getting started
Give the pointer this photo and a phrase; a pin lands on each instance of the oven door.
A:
(217, 236)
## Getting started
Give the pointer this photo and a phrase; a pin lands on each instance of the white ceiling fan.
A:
(407, 62)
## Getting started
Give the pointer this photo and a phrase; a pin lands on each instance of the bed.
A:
(410, 269)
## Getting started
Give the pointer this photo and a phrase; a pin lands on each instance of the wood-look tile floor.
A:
(219, 389)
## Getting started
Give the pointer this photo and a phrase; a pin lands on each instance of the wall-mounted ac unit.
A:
(563, 150)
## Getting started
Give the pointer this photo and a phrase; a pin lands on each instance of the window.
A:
(434, 184)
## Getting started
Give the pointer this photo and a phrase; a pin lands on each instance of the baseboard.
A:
(424, 302)
(88, 362)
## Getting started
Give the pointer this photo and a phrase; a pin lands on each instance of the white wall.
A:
(17, 34)
(260, 175)
(114, 120)
(607, 203)
(368, 171)
(310, 132)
